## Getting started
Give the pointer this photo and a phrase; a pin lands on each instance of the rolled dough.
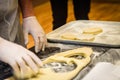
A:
(69, 36)
(49, 74)
(81, 37)
(92, 30)
(86, 37)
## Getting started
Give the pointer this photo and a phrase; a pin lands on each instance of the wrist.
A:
(29, 18)
(28, 15)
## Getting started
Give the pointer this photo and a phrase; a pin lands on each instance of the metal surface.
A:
(47, 52)
(60, 67)
(111, 56)
(99, 55)
(110, 37)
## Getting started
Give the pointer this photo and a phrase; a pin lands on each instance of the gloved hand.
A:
(23, 62)
(31, 25)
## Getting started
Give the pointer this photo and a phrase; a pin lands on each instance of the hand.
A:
(23, 62)
(31, 25)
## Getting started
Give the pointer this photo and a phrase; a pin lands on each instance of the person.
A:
(59, 11)
(13, 37)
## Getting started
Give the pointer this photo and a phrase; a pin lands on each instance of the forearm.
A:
(26, 8)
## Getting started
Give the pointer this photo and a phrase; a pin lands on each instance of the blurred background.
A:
(103, 10)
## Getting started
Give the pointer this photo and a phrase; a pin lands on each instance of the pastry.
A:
(92, 30)
(69, 36)
(86, 37)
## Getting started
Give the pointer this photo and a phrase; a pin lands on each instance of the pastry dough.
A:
(86, 37)
(66, 57)
(69, 36)
(81, 37)
(92, 30)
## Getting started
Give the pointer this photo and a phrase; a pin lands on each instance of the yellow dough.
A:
(69, 36)
(49, 74)
(86, 37)
(81, 37)
(92, 30)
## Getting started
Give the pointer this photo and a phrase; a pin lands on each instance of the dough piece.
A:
(86, 37)
(92, 30)
(49, 74)
(69, 36)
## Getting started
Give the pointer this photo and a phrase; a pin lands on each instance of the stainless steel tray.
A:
(110, 37)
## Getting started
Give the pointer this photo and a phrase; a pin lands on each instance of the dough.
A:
(86, 37)
(49, 74)
(81, 37)
(92, 30)
(69, 36)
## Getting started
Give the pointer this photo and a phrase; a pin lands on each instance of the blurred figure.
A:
(59, 11)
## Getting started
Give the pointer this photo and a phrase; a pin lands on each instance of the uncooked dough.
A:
(47, 73)
(69, 36)
(86, 37)
(81, 37)
(92, 30)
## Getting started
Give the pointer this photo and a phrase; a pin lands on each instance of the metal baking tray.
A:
(110, 37)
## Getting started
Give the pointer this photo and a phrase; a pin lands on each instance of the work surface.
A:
(100, 54)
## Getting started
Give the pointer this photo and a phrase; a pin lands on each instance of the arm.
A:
(26, 8)
(32, 26)
(24, 63)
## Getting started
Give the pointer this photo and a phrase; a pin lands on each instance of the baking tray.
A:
(110, 37)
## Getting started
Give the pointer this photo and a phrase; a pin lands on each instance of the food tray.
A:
(110, 36)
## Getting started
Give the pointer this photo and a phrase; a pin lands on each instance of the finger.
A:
(22, 64)
(45, 40)
(36, 59)
(26, 37)
(43, 48)
(37, 44)
(15, 67)
(23, 68)
(31, 63)
(41, 43)
(44, 44)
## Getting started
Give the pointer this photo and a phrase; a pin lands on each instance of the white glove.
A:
(31, 25)
(23, 62)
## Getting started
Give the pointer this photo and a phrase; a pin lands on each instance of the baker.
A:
(13, 37)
